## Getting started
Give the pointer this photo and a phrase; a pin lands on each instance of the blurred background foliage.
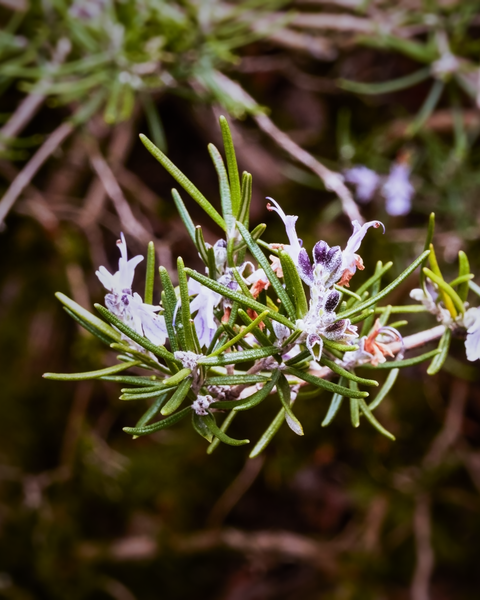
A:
(85, 513)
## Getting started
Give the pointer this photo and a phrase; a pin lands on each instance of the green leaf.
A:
(241, 299)
(186, 317)
(428, 241)
(242, 334)
(152, 411)
(232, 166)
(233, 358)
(327, 385)
(256, 234)
(443, 347)
(368, 323)
(347, 292)
(209, 421)
(251, 401)
(184, 214)
(166, 384)
(154, 122)
(386, 387)
(257, 332)
(96, 332)
(447, 289)
(399, 364)
(200, 427)
(183, 181)
(235, 380)
(369, 415)
(283, 389)
(294, 284)
(95, 324)
(447, 300)
(178, 397)
(331, 345)
(132, 380)
(133, 335)
(370, 281)
(385, 87)
(263, 262)
(334, 407)
(354, 405)
(146, 429)
(427, 108)
(463, 271)
(91, 374)
(169, 303)
(225, 196)
(150, 275)
(202, 248)
(474, 287)
(244, 212)
(363, 305)
(224, 427)
(269, 434)
(336, 368)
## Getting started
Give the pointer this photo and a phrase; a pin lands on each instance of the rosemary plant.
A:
(273, 326)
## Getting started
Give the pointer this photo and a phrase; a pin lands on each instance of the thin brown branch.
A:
(26, 175)
(232, 495)
(425, 558)
(29, 106)
(333, 181)
(452, 426)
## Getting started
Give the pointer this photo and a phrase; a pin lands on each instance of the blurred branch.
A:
(25, 176)
(425, 560)
(29, 106)
(235, 491)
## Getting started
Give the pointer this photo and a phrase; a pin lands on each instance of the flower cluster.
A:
(226, 339)
(396, 188)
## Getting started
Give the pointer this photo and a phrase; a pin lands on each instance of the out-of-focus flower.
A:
(365, 180)
(472, 323)
(398, 191)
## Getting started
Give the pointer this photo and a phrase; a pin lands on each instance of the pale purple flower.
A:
(350, 260)
(472, 343)
(204, 303)
(332, 264)
(121, 281)
(365, 180)
(398, 191)
(293, 249)
(127, 306)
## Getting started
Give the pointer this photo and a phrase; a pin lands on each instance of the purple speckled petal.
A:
(304, 267)
(332, 300)
(315, 345)
(320, 252)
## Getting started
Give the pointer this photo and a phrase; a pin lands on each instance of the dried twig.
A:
(235, 491)
(25, 176)
(425, 558)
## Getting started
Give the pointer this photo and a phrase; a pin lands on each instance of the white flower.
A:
(203, 304)
(201, 404)
(350, 260)
(365, 180)
(289, 221)
(398, 191)
(127, 306)
(472, 323)
(428, 301)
